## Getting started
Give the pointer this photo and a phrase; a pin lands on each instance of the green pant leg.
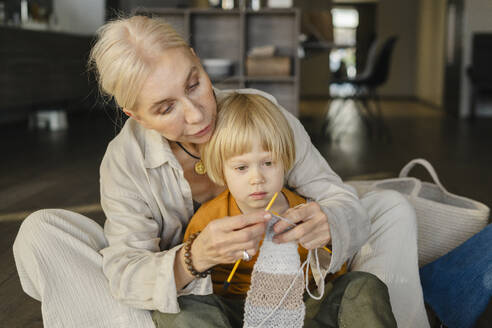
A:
(366, 303)
(205, 311)
(323, 312)
(356, 299)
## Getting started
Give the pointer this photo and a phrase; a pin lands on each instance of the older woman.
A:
(151, 182)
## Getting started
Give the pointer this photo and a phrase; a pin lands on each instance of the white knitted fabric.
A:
(275, 296)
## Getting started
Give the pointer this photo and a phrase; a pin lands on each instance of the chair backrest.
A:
(378, 64)
(482, 58)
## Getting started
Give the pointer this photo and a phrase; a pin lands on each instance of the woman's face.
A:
(177, 99)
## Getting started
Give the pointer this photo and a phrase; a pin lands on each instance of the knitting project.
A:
(275, 298)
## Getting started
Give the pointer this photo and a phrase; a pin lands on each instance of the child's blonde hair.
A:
(125, 52)
(240, 119)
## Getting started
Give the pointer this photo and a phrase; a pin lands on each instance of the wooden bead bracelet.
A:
(189, 262)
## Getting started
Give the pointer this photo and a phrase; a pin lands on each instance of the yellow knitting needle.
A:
(228, 281)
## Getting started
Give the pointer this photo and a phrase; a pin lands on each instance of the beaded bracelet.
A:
(188, 260)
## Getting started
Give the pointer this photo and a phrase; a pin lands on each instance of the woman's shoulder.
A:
(131, 135)
(123, 154)
(135, 143)
(125, 140)
(293, 198)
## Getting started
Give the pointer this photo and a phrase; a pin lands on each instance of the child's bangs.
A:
(266, 129)
(236, 142)
(240, 141)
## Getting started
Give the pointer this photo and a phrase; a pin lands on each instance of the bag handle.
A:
(430, 169)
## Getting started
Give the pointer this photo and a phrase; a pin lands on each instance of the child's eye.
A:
(268, 163)
(241, 168)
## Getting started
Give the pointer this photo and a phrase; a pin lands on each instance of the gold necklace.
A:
(199, 167)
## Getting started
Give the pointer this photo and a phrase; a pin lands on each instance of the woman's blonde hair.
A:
(124, 53)
(240, 119)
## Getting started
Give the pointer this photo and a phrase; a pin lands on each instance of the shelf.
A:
(273, 11)
(157, 11)
(270, 78)
(230, 34)
(231, 79)
(178, 11)
(217, 37)
(215, 11)
(286, 79)
(325, 45)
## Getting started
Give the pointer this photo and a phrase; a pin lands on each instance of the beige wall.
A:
(399, 17)
(430, 51)
(394, 17)
(417, 68)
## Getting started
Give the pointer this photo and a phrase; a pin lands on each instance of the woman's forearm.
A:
(182, 276)
(313, 178)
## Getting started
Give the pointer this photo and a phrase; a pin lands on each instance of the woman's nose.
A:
(193, 112)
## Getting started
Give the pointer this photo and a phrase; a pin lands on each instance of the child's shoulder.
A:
(213, 209)
(215, 206)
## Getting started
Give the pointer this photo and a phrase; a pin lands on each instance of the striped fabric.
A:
(277, 285)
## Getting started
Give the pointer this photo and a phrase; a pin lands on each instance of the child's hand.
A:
(312, 230)
(225, 239)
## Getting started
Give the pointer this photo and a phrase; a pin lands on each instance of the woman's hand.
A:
(225, 239)
(312, 230)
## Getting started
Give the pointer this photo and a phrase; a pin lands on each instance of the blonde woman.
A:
(151, 182)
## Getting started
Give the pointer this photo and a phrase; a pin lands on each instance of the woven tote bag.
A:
(444, 220)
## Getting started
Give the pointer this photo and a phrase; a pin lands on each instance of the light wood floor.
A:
(41, 169)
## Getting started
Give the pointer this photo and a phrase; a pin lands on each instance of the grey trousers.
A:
(356, 299)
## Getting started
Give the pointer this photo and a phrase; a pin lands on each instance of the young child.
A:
(251, 150)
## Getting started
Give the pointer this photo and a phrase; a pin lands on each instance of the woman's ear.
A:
(127, 112)
(136, 117)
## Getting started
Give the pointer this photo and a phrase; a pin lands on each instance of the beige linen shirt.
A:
(148, 202)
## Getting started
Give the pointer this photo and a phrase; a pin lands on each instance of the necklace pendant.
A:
(200, 168)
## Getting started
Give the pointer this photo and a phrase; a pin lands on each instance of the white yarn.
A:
(276, 260)
(272, 252)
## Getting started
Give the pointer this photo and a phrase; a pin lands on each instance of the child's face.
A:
(253, 178)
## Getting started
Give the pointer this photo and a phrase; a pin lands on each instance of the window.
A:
(345, 23)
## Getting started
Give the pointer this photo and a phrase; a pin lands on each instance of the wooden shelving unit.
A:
(231, 34)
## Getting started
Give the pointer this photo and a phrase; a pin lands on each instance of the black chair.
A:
(480, 72)
(365, 86)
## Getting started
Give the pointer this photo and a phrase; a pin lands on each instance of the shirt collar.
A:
(158, 151)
